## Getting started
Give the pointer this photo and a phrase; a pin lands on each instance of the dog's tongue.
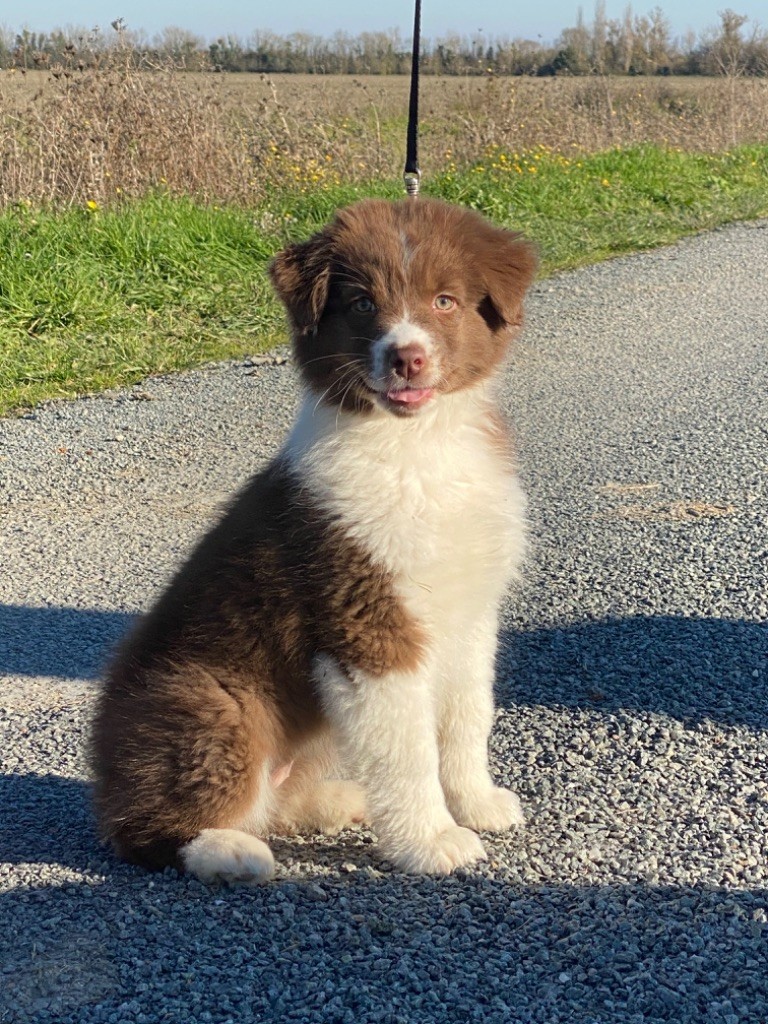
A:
(408, 395)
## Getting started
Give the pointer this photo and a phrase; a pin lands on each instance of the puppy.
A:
(341, 618)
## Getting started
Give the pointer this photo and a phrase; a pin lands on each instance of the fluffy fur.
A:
(341, 618)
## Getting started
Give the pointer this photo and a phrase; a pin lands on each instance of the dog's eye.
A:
(444, 303)
(363, 304)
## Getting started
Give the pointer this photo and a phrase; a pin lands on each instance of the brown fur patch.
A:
(216, 679)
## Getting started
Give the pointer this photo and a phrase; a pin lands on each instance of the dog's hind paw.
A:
(228, 855)
(341, 804)
(330, 806)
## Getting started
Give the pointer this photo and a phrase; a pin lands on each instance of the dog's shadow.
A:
(556, 951)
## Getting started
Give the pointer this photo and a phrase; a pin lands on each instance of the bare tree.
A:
(726, 52)
(629, 39)
(726, 45)
(599, 38)
(183, 47)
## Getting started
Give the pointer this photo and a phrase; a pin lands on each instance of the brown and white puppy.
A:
(344, 610)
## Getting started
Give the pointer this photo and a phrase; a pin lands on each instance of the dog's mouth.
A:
(407, 400)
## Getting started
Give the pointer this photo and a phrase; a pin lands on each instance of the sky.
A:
(543, 20)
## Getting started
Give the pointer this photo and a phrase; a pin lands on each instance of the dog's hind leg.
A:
(307, 800)
(182, 774)
(236, 854)
(228, 855)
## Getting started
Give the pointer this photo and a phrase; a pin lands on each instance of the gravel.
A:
(632, 693)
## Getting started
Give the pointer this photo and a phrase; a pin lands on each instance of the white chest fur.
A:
(430, 497)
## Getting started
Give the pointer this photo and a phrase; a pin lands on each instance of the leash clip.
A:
(412, 181)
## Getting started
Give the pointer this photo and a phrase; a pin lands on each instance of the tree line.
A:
(630, 45)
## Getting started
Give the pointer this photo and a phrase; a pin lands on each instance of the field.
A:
(108, 135)
(138, 210)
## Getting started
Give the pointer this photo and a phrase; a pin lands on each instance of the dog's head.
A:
(394, 304)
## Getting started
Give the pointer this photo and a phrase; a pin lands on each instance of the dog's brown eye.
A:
(363, 304)
(444, 303)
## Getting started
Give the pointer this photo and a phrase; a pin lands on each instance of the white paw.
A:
(452, 848)
(494, 810)
(228, 855)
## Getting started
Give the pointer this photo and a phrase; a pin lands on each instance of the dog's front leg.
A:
(387, 728)
(465, 718)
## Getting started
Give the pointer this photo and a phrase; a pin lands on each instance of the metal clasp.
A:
(412, 180)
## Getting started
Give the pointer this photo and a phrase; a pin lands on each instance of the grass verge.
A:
(93, 298)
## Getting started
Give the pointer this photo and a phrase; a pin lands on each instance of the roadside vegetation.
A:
(94, 297)
(139, 208)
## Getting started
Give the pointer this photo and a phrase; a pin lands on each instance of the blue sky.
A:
(494, 17)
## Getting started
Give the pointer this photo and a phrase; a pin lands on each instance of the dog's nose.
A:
(408, 360)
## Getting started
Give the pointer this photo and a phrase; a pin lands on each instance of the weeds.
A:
(119, 131)
(104, 134)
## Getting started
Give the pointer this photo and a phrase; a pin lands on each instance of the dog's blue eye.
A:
(364, 304)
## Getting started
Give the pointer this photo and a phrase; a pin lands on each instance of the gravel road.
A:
(632, 694)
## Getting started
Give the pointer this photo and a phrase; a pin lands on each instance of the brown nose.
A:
(408, 360)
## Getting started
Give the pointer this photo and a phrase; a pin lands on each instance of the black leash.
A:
(412, 174)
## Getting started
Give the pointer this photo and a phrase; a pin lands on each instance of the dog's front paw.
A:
(452, 848)
(495, 810)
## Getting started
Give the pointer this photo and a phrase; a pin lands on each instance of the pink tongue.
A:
(409, 395)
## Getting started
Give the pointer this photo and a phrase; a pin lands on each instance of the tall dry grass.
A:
(102, 134)
(99, 135)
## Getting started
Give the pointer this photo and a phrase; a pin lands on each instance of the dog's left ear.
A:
(301, 274)
(509, 266)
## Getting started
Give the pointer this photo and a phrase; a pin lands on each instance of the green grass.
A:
(91, 299)
(595, 207)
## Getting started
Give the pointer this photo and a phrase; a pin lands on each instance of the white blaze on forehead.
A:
(403, 332)
(408, 249)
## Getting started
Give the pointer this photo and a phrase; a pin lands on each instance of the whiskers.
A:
(349, 373)
(321, 359)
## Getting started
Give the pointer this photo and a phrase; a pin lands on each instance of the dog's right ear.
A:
(301, 275)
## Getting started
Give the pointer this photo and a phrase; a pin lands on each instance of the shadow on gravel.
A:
(68, 643)
(348, 942)
(52, 822)
(394, 949)
(686, 668)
